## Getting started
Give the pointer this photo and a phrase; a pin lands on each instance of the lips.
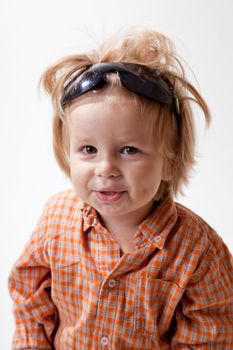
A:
(109, 192)
(109, 195)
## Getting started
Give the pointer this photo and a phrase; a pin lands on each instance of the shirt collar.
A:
(153, 229)
(90, 217)
(158, 225)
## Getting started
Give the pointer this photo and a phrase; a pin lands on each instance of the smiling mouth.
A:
(109, 196)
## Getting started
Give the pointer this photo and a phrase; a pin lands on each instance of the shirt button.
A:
(157, 238)
(112, 283)
(104, 341)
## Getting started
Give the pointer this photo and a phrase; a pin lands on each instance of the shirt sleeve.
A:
(30, 288)
(204, 318)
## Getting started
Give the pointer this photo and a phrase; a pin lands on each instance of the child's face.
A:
(115, 164)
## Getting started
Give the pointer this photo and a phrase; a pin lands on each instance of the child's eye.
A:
(89, 150)
(129, 150)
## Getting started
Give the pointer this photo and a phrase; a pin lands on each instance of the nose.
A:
(107, 167)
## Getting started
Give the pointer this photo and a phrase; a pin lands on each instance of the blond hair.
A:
(176, 134)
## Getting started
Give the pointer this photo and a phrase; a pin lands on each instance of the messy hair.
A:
(175, 133)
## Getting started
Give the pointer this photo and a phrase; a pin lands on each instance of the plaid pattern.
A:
(73, 290)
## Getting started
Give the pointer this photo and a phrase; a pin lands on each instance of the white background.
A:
(35, 33)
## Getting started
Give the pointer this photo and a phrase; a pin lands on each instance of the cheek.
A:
(76, 171)
(80, 171)
(147, 179)
(148, 173)
(73, 167)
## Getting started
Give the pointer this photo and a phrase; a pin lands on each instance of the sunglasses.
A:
(136, 78)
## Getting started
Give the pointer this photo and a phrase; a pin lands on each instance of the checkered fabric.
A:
(73, 289)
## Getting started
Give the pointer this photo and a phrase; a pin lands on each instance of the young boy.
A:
(115, 262)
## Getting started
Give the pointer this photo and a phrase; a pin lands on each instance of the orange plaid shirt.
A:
(72, 289)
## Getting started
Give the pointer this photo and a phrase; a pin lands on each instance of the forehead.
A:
(112, 111)
(114, 100)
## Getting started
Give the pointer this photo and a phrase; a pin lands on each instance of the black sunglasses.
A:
(133, 77)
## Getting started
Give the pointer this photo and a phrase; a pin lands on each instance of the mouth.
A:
(109, 196)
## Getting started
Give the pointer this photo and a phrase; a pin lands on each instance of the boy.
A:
(115, 263)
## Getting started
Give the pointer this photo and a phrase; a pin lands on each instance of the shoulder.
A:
(63, 205)
(55, 221)
(59, 212)
(196, 227)
(195, 247)
(64, 200)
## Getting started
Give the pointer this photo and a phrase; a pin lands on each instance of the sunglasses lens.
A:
(88, 82)
(85, 83)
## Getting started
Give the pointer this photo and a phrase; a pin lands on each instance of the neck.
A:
(127, 222)
(123, 233)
